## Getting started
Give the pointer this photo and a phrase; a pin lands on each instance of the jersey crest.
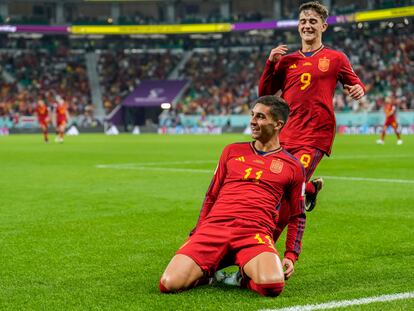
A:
(276, 166)
(323, 64)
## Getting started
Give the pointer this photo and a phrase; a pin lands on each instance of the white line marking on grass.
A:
(398, 181)
(163, 169)
(139, 167)
(369, 156)
(120, 165)
(346, 303)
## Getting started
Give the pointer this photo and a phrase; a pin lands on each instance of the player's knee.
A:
(267, 278)
(170, 284)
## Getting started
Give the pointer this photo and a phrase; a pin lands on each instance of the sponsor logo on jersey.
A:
(276, 166)
(293, 66)
(241, 159)
(323, 64)
(307, 64)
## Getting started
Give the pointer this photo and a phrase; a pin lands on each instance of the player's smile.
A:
(261, 122)
(310, 26)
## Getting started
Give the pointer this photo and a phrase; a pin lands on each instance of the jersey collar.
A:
(313, 52)
(264, 154)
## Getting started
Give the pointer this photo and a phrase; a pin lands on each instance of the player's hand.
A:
(355, 91)
(288, 265)
(277, 53)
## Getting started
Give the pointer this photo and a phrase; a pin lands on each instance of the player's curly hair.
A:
(279, 109)
(317, 7)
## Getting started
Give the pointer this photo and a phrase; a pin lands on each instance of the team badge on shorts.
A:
(323, 64)
(276, 166)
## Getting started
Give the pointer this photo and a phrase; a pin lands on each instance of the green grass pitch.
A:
(78, 236)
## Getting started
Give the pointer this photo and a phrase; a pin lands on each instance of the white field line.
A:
(346, 303)
(151, 168)
(385, 180)
(368, 156)
(140, 167)
(151, 163)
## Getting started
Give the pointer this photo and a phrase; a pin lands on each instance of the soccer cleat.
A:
(380, 142)
(310, 200)
(232, 279)
(399, 142)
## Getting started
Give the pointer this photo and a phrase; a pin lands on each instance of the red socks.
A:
(163, 289)
(310, 188)
(271, 289)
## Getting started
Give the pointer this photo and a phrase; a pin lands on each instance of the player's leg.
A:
(59, 132)
(310, 158)
(255, 253)
(382, 137)
(62, 131)
(264, 274)
(181, 273)
(44, 128)
(397, 133)
(197, 259)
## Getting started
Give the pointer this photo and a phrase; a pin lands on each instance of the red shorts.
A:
(391, 122)
(234, 241)
(308, 156)
(42, 122)
(61, 123)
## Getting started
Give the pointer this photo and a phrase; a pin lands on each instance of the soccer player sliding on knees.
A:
(239, 215)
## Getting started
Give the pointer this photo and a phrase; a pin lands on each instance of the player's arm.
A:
(352, 84)
(48, 115)
(297, 220)
(214, 188)
(391, 111)
(269, 82)
(54, 117)
(67, 115)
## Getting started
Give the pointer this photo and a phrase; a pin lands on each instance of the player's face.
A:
(311, 26)
(262, 124)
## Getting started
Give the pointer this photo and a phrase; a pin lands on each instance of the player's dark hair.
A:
(317, 7)
(278, 107)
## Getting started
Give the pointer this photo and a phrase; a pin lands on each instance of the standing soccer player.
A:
(42, 113)
(390, 110)
(307, 79)
(240, 211)
(62, 118)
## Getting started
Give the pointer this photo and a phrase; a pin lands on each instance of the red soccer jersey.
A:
(308, 85)
(61, 114)
(42, 113)
(390, 111)
(248, 185)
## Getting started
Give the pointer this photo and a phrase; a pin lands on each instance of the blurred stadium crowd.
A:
(224, 69)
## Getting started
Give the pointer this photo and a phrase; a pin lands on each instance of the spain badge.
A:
(276, 166)
(323, 64)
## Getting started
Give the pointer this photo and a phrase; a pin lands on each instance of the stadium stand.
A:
(223, 68)
(120, 73)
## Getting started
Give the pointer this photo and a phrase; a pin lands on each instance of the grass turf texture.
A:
(77, 237)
